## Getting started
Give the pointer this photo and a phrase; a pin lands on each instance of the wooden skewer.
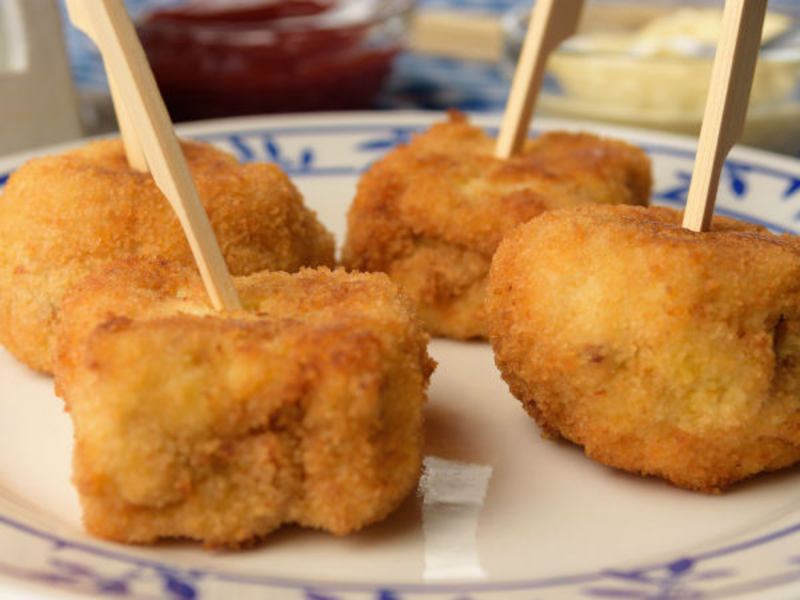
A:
(130, 140)
(551, 22)
(110, 27)
(78, 13)
(726, 105)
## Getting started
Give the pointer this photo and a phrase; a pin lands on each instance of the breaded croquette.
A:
(659, 350)
(63, 216)
(431, 213)
(306, 407)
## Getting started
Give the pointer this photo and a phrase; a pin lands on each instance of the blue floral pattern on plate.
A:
(36, 548)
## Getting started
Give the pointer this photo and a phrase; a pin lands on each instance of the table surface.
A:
(429, 82)
(417, 82)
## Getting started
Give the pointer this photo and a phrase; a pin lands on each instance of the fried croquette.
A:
(63, 216)
(431, 213)
(661, 351)
(305, 407)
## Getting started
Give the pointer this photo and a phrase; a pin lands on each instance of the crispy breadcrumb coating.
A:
(306, 407)
(63, 216)
(431, 213)
(660, 350)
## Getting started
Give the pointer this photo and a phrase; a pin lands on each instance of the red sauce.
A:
(208, 63)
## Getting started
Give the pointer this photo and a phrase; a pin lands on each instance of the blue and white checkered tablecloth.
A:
(429, 82)
(491, 6)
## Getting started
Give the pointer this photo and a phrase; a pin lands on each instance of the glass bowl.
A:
(216, 59)
(648, 64)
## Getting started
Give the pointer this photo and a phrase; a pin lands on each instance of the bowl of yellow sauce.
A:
(648, 64)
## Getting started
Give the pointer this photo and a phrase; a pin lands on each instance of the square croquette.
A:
(306, 407)
(432, 212)
(662, 351)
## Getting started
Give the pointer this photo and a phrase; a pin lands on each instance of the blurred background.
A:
(644, 63)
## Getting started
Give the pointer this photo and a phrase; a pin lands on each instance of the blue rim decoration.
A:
(702, 575)
(680, 578)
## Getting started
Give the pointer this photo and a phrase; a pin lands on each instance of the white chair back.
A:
(38, 104)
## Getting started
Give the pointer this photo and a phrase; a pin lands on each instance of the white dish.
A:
(539, 519)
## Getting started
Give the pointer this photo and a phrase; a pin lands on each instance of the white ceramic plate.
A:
(500, 512)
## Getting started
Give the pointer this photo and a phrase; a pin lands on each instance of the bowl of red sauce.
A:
(217, 58)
